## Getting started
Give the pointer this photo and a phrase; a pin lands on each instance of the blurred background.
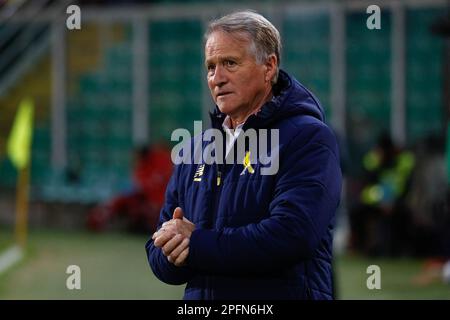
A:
(106, 98)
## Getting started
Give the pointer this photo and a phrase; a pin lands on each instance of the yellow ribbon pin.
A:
(247, 164)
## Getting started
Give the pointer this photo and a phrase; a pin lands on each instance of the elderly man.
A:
(229, 231)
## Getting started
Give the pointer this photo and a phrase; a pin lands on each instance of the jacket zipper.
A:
(215, 206)
(218, 188)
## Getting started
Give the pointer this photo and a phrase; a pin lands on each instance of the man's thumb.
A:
(178, 213)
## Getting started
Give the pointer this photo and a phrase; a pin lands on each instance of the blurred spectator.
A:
(433, 271)
(432, 199)
(379, 220)
(429, 200)
(140, 207)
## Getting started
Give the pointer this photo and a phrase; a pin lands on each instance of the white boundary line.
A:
(10, 257)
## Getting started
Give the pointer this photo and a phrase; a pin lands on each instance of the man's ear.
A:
(271, 67)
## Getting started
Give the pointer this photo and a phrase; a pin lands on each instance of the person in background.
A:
(141, 205)
(380, 220)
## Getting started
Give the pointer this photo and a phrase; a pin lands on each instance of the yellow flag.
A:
(19, 142)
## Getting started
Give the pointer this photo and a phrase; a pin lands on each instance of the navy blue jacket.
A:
(261, 236)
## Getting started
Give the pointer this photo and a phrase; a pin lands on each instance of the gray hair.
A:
(265, 38)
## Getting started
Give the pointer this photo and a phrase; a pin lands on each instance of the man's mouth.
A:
(223, 94)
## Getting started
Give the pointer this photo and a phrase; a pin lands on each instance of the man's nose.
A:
(220, 76)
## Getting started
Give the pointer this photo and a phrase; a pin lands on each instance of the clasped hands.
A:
(173, 238)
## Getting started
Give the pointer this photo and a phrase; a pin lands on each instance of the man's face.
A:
(237, 83)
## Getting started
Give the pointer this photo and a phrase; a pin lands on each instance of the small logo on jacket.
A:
(199, 173)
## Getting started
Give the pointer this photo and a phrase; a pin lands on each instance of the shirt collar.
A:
(227, 124)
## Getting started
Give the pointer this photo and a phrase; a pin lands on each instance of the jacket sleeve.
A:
(306, 196)
(161, 267)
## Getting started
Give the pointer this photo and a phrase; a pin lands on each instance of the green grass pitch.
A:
(114, 266)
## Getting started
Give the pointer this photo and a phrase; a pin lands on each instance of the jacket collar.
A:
(265, 116)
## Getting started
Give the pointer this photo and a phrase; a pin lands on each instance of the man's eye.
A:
(230, 63)
(210, 67)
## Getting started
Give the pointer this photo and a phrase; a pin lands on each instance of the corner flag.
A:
(19, 142)
(19, 150)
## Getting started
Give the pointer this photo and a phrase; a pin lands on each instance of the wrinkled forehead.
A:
(239, 38)
(220, 40)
